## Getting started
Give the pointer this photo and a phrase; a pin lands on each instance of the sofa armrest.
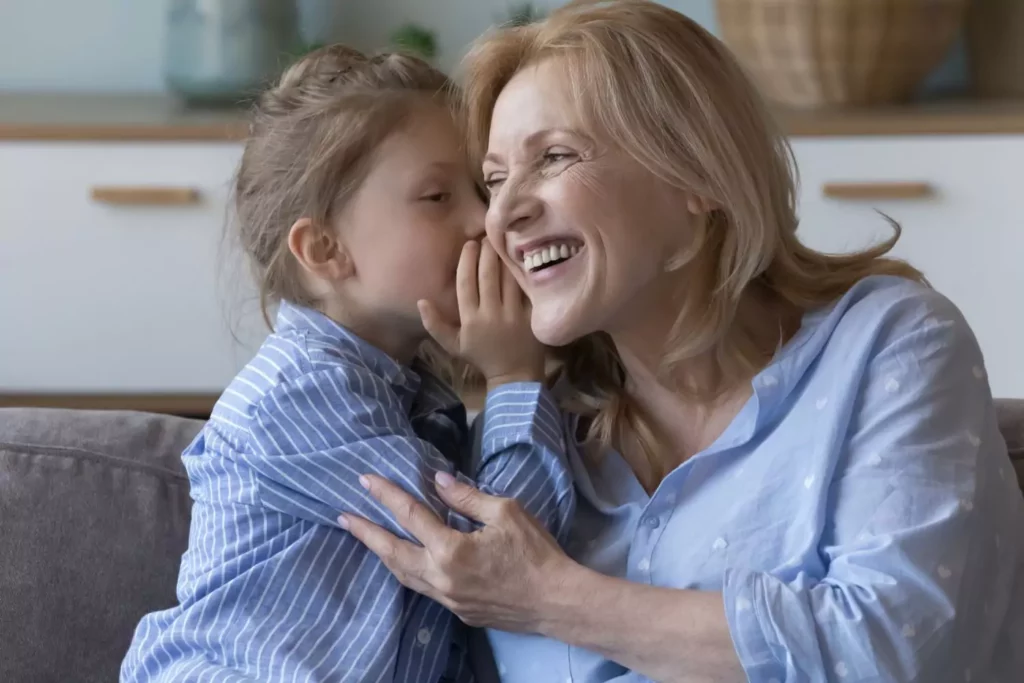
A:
(94, 516)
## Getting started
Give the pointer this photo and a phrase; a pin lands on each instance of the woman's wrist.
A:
(566, 598)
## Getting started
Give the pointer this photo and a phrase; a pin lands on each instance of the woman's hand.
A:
(511, 575)
(493, 332)
(499, 576)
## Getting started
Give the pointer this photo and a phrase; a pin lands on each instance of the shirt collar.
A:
(310, 322)
(434, 393)
(420, 390)
(774, 385)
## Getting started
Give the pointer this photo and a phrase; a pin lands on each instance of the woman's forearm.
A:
(666, 634)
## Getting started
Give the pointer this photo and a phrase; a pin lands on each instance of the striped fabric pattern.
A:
(270, 588)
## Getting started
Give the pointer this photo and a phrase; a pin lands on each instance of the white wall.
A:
(117, 45)
(458, 22)
(103, 45)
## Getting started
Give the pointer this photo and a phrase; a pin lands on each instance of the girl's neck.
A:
(400, 344)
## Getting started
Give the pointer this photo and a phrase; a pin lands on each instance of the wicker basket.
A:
(995, 40)
(831, 53)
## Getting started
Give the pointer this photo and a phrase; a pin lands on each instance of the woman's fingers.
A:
(471, 502)
(490, 276)
(410, 514)
(406, 561)
(466, 276)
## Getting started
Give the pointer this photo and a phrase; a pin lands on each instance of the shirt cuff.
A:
(520, 412)
(744, 595)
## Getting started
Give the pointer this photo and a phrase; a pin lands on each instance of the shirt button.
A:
(644, 565)
(423, 636)
(652, 522)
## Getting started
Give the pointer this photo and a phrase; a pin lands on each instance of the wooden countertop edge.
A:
(862, 125)
(172, 132)
(897, 121)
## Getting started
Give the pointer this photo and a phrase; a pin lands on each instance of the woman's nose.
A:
(514, 208)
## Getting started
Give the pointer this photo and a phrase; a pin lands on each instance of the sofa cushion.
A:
(1011, 423)
(94, 514)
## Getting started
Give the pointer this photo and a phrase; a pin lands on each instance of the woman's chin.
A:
(555, 328)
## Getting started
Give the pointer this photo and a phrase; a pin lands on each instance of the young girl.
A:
(359, 211)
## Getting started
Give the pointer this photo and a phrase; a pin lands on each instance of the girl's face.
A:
(405, 227)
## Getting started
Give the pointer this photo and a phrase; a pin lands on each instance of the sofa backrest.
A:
(94, 516)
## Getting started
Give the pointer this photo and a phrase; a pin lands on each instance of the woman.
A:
(788, 466)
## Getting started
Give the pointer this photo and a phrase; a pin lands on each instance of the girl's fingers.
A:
(443, 332)
(511, 295)
(490, 276)
(466, 275)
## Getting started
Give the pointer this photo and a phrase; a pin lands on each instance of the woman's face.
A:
(586, 229)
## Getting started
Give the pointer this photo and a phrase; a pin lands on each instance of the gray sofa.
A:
(94, 515)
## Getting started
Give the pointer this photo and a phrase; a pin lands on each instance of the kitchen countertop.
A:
(27, 116)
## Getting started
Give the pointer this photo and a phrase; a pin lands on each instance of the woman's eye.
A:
(493, 183)
(555, 157)
(438, 197)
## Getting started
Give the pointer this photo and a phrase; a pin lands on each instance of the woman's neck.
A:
(684, 424)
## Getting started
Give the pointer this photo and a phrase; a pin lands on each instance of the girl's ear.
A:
(319, 252)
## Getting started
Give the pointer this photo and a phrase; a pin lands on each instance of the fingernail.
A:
(364, 482)
(343, 522)
(444, 480)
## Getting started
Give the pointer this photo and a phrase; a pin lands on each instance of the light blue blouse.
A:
(860, 514)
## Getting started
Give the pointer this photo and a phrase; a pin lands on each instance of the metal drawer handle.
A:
(882, 190)
(145, 196)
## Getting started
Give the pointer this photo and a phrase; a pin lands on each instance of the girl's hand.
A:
(502, 576)
(494, 332)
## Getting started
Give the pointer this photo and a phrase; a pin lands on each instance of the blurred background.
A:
(122, 121)
(119, 45)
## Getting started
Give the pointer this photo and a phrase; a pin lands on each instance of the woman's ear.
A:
(699, 206)
(319, 252)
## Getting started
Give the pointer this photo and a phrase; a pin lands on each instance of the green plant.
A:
(415, 39)
(523, 14)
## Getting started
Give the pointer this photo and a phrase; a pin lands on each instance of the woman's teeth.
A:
(547, 255)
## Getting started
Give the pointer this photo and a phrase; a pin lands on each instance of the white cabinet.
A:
(114, 281)
(967, 235)
(115, 274)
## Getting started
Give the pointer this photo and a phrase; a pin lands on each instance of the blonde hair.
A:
(672, 97)
(311, 142)
(312, 138)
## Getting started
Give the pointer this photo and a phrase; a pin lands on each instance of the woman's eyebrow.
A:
(533, 139)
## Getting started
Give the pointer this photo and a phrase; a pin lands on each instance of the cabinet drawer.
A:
(960, 202)
(115, 274)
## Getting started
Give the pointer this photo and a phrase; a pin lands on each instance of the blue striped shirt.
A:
(270, 588)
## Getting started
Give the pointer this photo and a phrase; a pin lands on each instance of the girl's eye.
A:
(438, 197)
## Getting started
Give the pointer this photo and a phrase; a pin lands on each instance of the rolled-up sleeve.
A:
(918, 556)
